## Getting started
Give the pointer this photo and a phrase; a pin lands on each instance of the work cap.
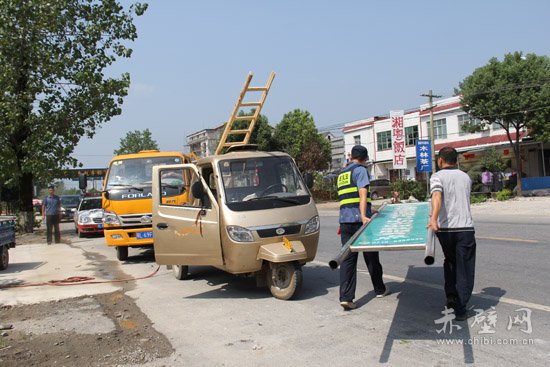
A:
(360, 152)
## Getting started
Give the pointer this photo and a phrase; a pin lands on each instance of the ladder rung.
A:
(250, 104)
(245, 118)
(233, 143)
(238, 131)
(256, 89)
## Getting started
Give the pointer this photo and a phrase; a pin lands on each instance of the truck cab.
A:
(127, 198)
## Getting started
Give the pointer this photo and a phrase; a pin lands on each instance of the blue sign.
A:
(424, 155)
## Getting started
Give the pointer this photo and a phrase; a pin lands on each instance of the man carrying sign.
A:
(452, 221)
(353, 194)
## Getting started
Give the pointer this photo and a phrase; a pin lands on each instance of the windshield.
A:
(264, 179)
(70, 201)
(88, 204)
(135, 172)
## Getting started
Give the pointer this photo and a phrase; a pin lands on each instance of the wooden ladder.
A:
(251, 118)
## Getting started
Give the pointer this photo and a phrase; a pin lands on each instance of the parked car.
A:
(69, 203)
(88, 218)
(380, 188)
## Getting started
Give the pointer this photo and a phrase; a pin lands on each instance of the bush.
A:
(476, 199)
(406, 188)
(503, 195)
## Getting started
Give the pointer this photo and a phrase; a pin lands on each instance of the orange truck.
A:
(127, 197)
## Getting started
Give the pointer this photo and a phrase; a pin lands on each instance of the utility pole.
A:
(431, 96)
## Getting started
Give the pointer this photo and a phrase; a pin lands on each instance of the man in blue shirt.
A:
(51, 211)
(353, 194)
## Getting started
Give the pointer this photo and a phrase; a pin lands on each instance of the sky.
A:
(340, 60)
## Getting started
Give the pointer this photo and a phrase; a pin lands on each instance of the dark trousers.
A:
(459, 265)
(348, 267)
(52, 222)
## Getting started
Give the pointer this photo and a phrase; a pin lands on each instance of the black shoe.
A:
(451, 302)
(465, 316)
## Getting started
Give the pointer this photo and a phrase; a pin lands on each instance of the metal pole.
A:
(432, 137)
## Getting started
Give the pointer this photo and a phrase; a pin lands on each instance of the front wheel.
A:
(374, 195)
(284, 280)
(181, 272)
(122, 253)
(4, 257)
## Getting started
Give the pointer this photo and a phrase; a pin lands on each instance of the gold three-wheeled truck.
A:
(247, 213)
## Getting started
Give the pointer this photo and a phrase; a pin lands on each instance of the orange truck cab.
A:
(127, 198)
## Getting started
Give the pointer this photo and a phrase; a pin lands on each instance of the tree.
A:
(136, 141)
(53, 59)
(297, 135)
(514, 94)
(492, 160)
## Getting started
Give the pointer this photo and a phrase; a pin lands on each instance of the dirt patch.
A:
(99, 330)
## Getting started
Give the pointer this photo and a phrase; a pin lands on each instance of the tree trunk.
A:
(26, 212)
(519, 164)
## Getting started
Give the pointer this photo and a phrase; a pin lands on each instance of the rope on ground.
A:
(78, 281)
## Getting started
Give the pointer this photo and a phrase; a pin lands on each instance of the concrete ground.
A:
(215, 319)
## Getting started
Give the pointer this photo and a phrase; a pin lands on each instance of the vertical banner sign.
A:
(424, 155)
(398, 140)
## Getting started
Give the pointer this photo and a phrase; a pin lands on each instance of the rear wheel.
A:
(284, 279)
(374, 195)
(181, 272)
(122, 253)
(4, 257)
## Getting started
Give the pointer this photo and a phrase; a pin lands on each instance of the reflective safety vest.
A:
(348, 193)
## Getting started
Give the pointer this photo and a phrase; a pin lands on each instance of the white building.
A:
(204, 142)
(337, 151)
(375, 134)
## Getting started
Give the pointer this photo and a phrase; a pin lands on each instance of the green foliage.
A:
(54, 56)
(476, 199)
(493, 160)
(135, 141)
(406, 188)
(297, 135)
(475, 175)
(504, 195)
(513, 93)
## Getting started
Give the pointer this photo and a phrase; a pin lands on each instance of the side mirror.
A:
(197, 190)
(308, 178)
(82, 181)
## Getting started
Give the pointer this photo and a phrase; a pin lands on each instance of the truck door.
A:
(185, 233)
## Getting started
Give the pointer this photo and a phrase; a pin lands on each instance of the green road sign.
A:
(395, 227)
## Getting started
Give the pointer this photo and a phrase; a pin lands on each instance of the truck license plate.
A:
(142, 235)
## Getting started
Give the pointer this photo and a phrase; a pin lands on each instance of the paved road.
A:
(217, 319)
(512, 254)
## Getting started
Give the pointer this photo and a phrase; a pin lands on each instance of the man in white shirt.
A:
(451, 220)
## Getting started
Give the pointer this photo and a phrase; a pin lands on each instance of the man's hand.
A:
(365, 219)
(432, 223)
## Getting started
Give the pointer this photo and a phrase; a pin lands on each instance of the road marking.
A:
(508, 239)
(507, 300)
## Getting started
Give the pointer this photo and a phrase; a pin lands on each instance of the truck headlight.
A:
(312, 225)
(240, 234)
(111, 218)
